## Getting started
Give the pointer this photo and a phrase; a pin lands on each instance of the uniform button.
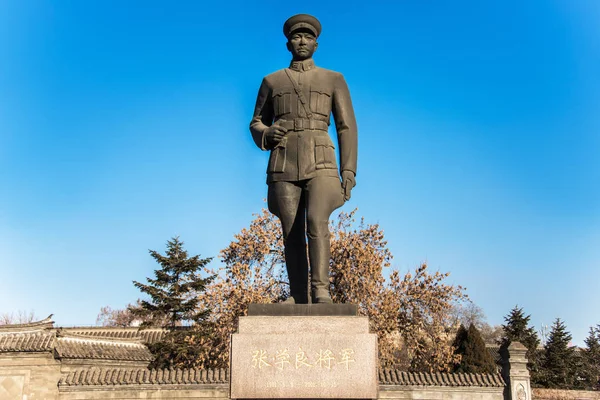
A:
(299, 136)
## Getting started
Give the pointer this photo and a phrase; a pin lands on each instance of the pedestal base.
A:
(306, 356)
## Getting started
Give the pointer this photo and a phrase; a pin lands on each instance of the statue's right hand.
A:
(274, 134)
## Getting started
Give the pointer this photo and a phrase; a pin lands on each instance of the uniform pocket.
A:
(278, 158)
(320, 102)
(324, 153)
(282, 103)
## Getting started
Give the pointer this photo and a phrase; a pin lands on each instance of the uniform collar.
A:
(302, 66)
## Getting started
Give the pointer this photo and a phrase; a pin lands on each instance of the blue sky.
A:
(123, 124)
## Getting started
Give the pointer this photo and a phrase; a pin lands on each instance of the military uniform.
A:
(307, 150)
(302, 174)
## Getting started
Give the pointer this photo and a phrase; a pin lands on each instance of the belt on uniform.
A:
(300, 124)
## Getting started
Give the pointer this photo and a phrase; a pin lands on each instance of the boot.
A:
(320, 254)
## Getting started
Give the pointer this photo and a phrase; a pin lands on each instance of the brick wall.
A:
(130, 392)
(439, 392)
(554, 394)
(220, 391)
(36, 376)
(29, 376)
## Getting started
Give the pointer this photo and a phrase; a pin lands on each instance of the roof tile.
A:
(29, 327)
(148, 336)
(143, 376)
(77, 348)
(403, 378)
(28, 342)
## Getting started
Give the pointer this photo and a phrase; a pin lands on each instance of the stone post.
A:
(515, 372)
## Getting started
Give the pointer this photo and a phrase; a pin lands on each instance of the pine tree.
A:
(173, 303)
(474, 355)
(559, 365)
(173, 293)
(591, 360)
(460, 340)
(517, 329)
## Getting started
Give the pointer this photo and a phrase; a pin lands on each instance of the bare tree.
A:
(467, 313)
(544, 332)
(491, 335)
(408, 311)
(119, 317)
(20, 317)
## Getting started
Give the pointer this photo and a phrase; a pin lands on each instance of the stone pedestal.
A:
(298, 351)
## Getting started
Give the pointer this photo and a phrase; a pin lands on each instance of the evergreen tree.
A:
(517, 329)
(173, 292)
(474, 355)
(174, 302)
(460, 339)
(591, 360)
(559, 365)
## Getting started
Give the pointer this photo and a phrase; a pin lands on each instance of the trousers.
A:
(303, 208)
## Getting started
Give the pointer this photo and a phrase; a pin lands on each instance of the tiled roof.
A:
(149, 336)
(143, 376)
(27, 342)
(73, 347)
(402, 378)
(494, 351)
(35, 326)
(84, 348)
(130, 339)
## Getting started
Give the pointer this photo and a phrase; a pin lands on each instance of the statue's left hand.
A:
(348, 182)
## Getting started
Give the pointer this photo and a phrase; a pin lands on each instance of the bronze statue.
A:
(291, 119)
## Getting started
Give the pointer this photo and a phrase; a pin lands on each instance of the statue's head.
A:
(302, 31)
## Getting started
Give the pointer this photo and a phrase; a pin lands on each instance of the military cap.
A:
(299, 21)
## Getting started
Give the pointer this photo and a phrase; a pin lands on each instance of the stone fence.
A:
(140, 383)
(39, 376)
(39, 362)
(556, 394)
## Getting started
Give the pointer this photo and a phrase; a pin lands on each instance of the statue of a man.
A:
(291, 120)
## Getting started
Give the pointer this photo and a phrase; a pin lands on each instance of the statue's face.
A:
(302, 44)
